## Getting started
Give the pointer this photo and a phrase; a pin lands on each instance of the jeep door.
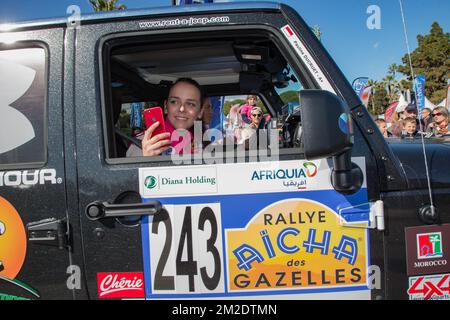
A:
(258, 228)
(34, 254)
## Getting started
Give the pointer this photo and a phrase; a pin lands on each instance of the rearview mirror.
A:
(326, 124)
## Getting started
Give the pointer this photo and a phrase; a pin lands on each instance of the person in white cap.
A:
(256, 115)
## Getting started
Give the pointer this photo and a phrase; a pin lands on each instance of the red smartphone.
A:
(153, 115)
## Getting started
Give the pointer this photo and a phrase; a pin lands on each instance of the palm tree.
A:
(393, 69)
(391, 86)
(106, 5)
(394, 87)
(316, 30)
(373, 84)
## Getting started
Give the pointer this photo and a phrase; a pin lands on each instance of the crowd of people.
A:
(186, 104)
(405, 123)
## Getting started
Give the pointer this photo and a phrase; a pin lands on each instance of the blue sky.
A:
(357, 50)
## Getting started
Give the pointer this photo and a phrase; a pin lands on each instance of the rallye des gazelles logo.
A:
(120, 285)
(435, 287)
(296, 244)
(291, 177)
(429, 245)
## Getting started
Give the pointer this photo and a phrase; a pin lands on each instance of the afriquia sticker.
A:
(13, 247)
(254, 230)
(427, 249)
(434, 287)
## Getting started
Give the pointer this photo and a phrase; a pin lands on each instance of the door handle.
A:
(100, 210)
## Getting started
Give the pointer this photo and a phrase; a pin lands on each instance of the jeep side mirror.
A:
(327, 128)
(327, 131)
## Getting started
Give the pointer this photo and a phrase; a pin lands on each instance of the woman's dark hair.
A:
(191, 82)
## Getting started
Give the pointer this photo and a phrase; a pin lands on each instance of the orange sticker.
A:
(13, 241)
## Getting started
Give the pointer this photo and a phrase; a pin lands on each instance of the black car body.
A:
(85, 223)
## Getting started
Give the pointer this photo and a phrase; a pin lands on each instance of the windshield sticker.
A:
(186, 22)
(307, 58)
(264, 229)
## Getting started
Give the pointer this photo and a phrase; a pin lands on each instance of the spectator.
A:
(234, 124)
(383, 128)
(409, 128)
(410, 111)
(397, 124)
(425, 119)
(245, 109)
(256, 116)
(133, 150)
(440, 125)
(207, 113)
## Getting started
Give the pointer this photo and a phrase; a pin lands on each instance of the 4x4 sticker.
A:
(15, 128)
(436, 287)
(255, 234)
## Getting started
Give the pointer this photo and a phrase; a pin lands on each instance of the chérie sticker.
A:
(120, 285)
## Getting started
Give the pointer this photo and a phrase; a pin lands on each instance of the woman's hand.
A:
(155, 145)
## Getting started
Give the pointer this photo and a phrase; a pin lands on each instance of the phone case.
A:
(153, 115)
